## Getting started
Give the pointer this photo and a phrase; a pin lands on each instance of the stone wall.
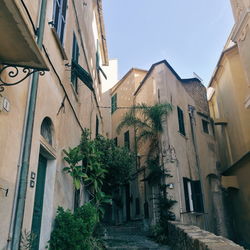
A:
(199, 94)
(188, 237)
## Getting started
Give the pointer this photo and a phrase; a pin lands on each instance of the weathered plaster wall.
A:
(233, 137)
(51, 103)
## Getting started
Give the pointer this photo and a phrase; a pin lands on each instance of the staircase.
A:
(129, 236)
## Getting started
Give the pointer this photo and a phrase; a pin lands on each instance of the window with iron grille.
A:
(127, 140)
(59, 17)
(114, 103)
(181, 121)
(75, 58)
(193, 196)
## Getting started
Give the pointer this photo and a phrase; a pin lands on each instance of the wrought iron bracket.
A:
(15, 75)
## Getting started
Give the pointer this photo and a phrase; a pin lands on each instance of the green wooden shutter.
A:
(75, 58)
(113, 103)
(197, 196)
(127, 140)
(185, 181)
(181, 121)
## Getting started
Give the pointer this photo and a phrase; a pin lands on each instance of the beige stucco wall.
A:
(162, 86)
(67, 132)
(125, 89)
(241, 35)
(230, 87)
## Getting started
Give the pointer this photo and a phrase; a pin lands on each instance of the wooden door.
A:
(38, 204)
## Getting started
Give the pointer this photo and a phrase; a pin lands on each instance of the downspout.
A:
(10, 235)
(191, 110)
(24, 168)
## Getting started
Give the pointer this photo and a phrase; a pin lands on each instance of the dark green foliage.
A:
(147, 122)
(160, 230)
(27, 240)
(75, 231)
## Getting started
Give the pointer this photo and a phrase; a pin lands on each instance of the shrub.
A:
(75, 231)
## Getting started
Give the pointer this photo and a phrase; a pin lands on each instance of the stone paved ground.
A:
(129, 236)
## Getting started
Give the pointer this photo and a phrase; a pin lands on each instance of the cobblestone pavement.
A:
(129, 236)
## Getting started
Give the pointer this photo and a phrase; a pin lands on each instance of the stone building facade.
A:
(188, 148)
(44, 114)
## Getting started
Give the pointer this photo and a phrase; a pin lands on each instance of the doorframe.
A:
(48, 152)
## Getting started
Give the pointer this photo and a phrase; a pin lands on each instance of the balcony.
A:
(18, 46)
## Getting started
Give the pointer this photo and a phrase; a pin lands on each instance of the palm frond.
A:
(130, 120)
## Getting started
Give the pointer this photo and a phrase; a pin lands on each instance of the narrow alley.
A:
(130, 236)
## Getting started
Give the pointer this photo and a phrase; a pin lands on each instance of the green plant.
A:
(73, 157)
(75, 231)
(147, 122)
(27, 240)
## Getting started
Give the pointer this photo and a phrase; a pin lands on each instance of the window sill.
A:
(60, 46)
(184, 136)
(194, 213)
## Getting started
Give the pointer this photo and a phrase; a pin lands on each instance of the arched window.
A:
(47, 130)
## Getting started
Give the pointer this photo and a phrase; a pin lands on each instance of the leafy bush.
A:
(75, 231)
(160, 230)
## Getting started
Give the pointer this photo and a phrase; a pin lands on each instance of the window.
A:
(47, 130)
(126, 140)
(193, 196)
(116, 141)
(137, 206)
(76, 199)
(205, 126)
(96, 127)
(114, 103)
(181, 121)
(59, 17)
(75, 58)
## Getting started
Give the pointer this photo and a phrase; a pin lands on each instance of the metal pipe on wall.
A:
(28, 133)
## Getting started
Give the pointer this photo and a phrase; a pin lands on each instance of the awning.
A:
(18, 46)
(82, 74)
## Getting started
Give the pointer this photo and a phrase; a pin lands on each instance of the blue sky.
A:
(189, 34)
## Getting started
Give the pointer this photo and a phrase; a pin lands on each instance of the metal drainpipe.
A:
(10, 235)
(24, 168)
(191, 110)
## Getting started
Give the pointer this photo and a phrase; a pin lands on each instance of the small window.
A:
(205, 126)
(127, 140)
(114, 103)
(181, 121)
(97, 127)
(193, 196)
(59, 17)
(47, 130)
(75, 58)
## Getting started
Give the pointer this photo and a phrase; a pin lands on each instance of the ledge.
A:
(188, 237)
